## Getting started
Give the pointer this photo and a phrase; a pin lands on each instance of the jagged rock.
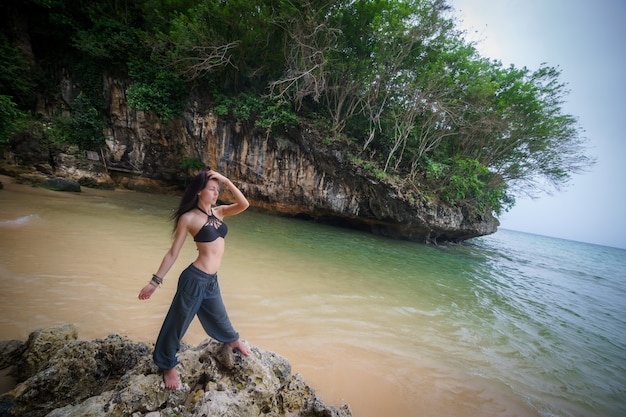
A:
(10, 351)
(61, 376)
(41, 346)
(32, 178)
(61, 184)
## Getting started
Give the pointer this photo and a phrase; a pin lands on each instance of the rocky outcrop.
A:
(296, 173)
(299, 173)
(59, 375)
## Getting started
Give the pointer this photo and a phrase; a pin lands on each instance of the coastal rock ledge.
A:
(59, 375)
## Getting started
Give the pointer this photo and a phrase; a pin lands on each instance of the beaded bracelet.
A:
(156, 280)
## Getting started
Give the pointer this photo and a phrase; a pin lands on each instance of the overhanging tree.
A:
(394, 76)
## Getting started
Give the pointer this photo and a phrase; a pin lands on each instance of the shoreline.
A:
(281, 298)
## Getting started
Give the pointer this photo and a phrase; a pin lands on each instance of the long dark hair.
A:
(189, 201)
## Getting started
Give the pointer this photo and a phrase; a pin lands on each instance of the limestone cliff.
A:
(296, 173)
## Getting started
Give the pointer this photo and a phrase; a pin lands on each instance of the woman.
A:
(198, 291)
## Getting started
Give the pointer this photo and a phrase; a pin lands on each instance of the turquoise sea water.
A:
(552, 318)
(543, 316)
(539, 318)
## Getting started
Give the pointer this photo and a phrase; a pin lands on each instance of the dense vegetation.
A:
(396, 78)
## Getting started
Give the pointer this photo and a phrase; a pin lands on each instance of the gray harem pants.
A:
(197, 293)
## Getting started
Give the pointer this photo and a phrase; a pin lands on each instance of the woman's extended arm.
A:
(169, 258)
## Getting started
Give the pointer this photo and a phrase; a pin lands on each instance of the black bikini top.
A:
(212, 229)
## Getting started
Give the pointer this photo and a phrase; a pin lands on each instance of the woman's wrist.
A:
(156, 281)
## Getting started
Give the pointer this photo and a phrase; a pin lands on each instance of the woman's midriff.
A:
(209, 255)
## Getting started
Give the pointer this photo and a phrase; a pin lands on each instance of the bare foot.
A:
(241, 347)
(170, 378)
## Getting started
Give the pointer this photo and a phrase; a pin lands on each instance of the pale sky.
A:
(586, 40)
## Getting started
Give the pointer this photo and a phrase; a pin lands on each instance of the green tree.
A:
(234, 42)
(16, 78)
(410, 89)
(10, 117)
(87, 125)
(310, 39)
(156, 90)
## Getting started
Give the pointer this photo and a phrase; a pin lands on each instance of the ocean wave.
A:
(18, 221)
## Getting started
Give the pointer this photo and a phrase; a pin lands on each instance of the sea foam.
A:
(18, 221)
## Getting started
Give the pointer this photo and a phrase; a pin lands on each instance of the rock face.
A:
(295, 173)
(61, 376)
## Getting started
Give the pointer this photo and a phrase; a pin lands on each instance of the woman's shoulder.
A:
(188, 217)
